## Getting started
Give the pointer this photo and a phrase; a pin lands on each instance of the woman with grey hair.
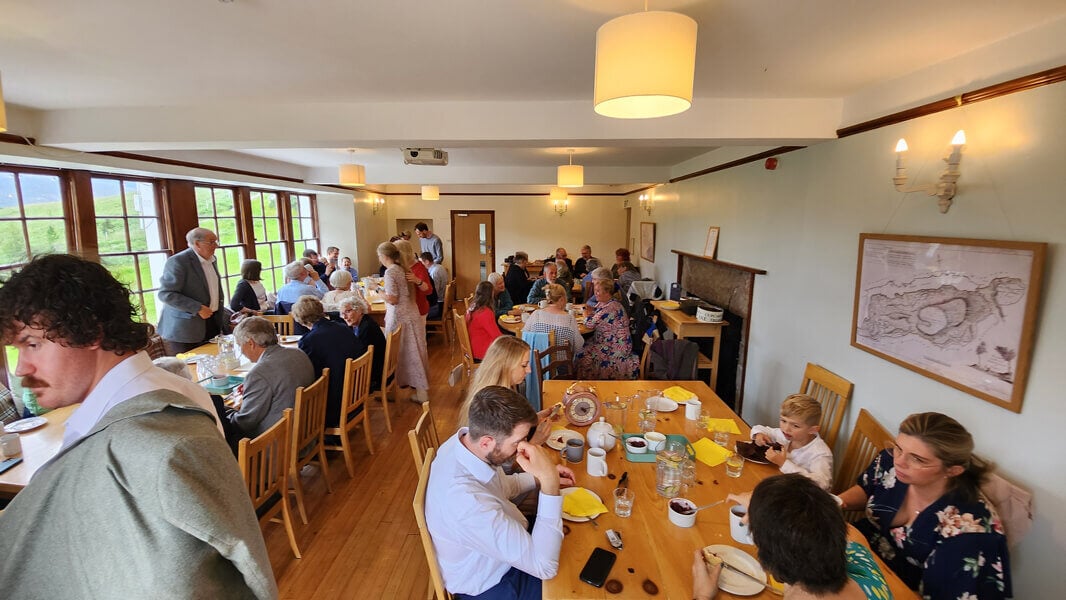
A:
(354, 312)
(341, 281)
(598, 274)
(501, 298)
(328, 344)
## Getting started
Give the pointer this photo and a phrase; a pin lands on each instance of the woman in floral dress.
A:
(608, 354)
(926, 516)
(412, 368)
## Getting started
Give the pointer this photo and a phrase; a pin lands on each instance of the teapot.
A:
(601, 435)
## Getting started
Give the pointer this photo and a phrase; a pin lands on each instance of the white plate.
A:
(738, 584)
(290, 339)
(25, 425)
(511, 319)
(568, 517)
(557, 438)
(664, 404)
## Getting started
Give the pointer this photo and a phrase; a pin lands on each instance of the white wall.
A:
(802, 222)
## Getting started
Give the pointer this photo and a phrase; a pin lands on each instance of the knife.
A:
(623, 481)
(749, 576)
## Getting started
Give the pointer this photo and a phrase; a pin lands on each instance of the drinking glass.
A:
(623, 502)
(688, 473)
(734, 465)
(721, 435)
(704, 420)
(647, 420)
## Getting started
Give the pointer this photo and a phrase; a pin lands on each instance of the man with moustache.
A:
(483, 546)
(144, 496)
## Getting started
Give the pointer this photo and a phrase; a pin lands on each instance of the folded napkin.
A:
(581, 503)
(727, 424)
(678, 393)
(709, 453)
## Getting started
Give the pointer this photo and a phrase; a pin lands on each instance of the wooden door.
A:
(473, 248)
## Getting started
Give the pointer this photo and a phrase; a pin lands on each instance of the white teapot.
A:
(601, 435)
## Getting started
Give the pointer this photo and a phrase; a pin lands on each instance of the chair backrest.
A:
(419, 505)
(423, 437)
(449, 300)
(559, 364)
(357, 373)
(309, 419)
(1014, 505)
(831, 391)
(155, 347)
(392, 356)
(464, 340)
(644, 361)
(264, 461)
(867, 440)
(282, 323)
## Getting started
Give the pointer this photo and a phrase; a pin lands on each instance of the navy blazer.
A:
(183, 290)
(329, 344)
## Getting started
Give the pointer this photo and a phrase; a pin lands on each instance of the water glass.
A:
(734, 465)
(647, 420)
(623, 502)
(721, 435)
(704, 420)
(688, 473)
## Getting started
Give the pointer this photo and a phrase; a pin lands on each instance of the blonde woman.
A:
(412, 369)
(555, 318)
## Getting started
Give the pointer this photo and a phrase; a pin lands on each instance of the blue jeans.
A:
(515, 585)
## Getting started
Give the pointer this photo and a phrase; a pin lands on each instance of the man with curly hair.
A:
(144, 495)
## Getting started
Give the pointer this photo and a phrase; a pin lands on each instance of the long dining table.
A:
(657, 555)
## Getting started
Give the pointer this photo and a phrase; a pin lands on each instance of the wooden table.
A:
(685, 326)
(655, 549)
(516, 328)
(38, 447)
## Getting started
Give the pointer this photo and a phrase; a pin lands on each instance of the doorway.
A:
(473, 248)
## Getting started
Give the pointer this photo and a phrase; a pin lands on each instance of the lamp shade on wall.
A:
(645, 64)
(570, 176)
(353, 175)
(430, 192)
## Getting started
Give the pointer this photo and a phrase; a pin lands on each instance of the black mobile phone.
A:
(598, 567)
(7, 464)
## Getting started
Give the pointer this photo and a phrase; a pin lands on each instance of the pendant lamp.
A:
(571, 175)
(3, 110)
(351, 174)
(430, 192)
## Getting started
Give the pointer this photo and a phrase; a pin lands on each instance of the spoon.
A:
(699, 508)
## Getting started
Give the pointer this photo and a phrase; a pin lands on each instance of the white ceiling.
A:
(504, 86)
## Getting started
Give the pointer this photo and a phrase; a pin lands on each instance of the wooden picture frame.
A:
(960, 311)
(647, 241)
(710, 247)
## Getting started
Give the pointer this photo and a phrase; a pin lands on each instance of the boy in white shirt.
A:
(802, 450)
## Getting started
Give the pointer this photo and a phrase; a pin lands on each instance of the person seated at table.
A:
(801, 449)
(802, 541)
(926, 516)
(501, 298)
(627, 274)
(621, 255)
(341, 282)
(555, 318)
(328, 344)
(346, 264)
(250, 297)
(354, 312)
(296, 285)
(608, 354)
(481, 321)
(536, 293)
(560, 254)
(600, 273)
(483, 546)
(581, 266)
(270, 387)
(516, 278)
(318, 265)
(506, 363)
(439, 274)
(564, 277)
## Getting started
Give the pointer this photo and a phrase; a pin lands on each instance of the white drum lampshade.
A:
(430, 192)
(570, 176)
(353, 175)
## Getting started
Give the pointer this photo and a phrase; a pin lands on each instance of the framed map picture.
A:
(647, 241)
(959, 311)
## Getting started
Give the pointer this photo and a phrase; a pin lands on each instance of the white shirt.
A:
(815, 460)
(131, 377)
(212, 280)
(261, 295)
(478, 532)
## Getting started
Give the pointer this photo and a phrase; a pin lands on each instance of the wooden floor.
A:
(361, 541)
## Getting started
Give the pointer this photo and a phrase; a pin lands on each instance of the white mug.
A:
(596, 462)
(738, 529)
(656, 441)
(11, 445)
(692, 409)
(543, 304)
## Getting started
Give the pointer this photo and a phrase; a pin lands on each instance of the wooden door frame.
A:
(492, 234)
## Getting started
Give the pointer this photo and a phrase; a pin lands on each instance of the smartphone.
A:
(7, 464)
(598, 567)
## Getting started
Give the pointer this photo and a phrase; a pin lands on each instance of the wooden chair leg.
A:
(385, 402)
(286, 517)
(366, 433)
(346, 449)
(325, 466)
(298, 489)
(430, 592)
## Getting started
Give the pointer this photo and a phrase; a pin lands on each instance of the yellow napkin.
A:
(581, 503)
(678, 393)
(728, 424)
(709, 453)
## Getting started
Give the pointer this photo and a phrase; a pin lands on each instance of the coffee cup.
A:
(574, 450)
(569, 306)
(596, 465)
(692, 409)
(543, 304)
(10, 445)
(525, 317)
(656, 441)
(737, 527)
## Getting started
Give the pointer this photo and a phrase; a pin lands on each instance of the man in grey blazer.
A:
(270, 386)
(191, 292)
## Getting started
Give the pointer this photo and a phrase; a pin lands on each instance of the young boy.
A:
(802, 451)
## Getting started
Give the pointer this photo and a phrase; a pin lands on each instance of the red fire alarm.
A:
(771, 163)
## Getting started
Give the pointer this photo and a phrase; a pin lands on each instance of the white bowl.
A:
(656, 441)
(678, 518)
(641, 449)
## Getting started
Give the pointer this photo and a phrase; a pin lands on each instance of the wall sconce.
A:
(946, 187)
(647, 202)
(376, 204)
(560, 200)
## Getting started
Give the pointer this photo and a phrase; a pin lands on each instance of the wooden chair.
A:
(867, 440)
(264, 465)
(436, 582)
(465, 350)
(443, 325)
(831, 391)
(388, 375)
(353, 407)
(308, 436)
(423, 437)
(644, 361)
(560, 363)
(155, 347)
(282, 323)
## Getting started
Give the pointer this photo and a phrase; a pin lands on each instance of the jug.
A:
(668, 474)
(227, 353)
(616, 413)
(601, 435)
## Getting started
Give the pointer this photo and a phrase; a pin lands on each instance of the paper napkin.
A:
(678, 393)
(580, 503)
(709, 453)
(728, 425)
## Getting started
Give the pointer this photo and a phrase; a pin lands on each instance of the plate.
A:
(669, 305)
(730, 581)
(557, 438)
(527, 307)
(752, 452)
(290, 339)
(664, 404)
(25, 425)
(221, 390)
(510, 319)
(568, 517)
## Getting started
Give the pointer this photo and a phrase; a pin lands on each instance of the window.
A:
(130, 237)
(269, 238)
(304, 234)
(32, 217)
(217, 211)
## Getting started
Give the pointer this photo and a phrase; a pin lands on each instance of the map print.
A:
(955, 311)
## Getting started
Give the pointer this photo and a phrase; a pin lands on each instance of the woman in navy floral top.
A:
(926, 516)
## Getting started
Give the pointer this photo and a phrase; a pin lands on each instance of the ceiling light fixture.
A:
(947, 186)
(645, 65)
(352, 175)
(560, 200)
(571, 175)
(430, 192)
(3, 110)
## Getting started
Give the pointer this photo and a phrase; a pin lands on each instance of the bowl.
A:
(681, 512)
(636, 445)
(656, 441)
